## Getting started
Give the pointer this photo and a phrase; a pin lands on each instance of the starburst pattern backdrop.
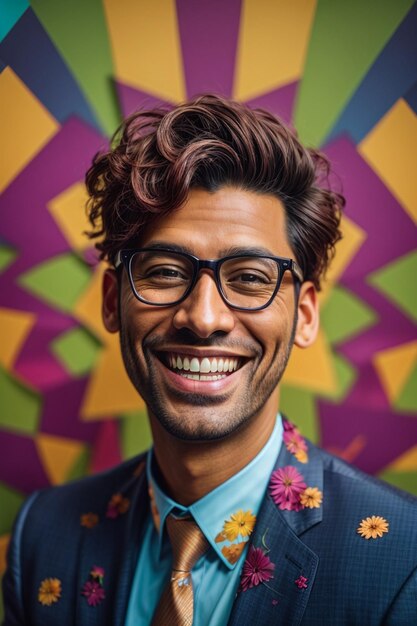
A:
(343, 73)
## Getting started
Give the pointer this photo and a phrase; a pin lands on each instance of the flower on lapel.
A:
(89, 520)
(311, 498)
(286, 486)
(295, 442)
(257, 569)
(93, 589)
(233, 552)
(373, 527)
(118, 505)
(49, 591)
(301, 582)
(240, 523)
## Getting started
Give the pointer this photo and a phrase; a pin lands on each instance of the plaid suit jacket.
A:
(347, 579)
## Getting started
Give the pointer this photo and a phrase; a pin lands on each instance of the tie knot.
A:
(187, 541)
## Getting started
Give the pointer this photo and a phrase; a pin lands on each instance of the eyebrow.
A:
(231, 251)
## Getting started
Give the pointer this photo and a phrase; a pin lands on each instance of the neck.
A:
(200, 467)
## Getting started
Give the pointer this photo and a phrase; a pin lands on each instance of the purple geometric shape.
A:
(62, 404)
(280, 101)
(29, 51)
(20, 467)
(132, 99)
(411, 97)
(209, 34)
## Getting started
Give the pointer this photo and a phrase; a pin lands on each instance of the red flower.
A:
(257, 569)
(301, 582)
(94, 592)
(286, 486)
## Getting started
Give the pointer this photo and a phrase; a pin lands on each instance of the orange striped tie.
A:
(188, 544)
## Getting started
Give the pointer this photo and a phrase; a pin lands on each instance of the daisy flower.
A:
(286, 486)
(49, 591)
(240, 523)
(373, 527)
(94, 592)
(257, 569)
(311, 498)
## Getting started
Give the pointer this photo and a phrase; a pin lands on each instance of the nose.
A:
(204, 312)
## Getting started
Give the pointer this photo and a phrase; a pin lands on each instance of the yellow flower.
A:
(311, 498)
(240, 523)
(89, 520)
(373, 527)
(49, 591)
(301, 455)
(233, 552)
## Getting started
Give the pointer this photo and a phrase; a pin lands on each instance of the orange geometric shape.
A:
(68, 210)
(57, 455)
(394, 366)
(15, 326)
(312, 368)
(407, 462)
(4, 542)
(88, 307)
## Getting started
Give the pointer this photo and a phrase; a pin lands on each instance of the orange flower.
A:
(373, 527)
(118, 505)
(311, 498)
(89, 520)
(49, 591)
(240, 523)
(301, 456)
(220, 537)
(233, 552)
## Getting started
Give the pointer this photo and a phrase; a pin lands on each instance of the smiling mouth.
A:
(204, 368)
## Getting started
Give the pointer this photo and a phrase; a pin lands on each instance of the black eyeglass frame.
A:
(124, 257)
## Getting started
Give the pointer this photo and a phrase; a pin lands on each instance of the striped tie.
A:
(188, 544)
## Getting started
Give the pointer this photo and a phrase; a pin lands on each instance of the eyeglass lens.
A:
(164, 277)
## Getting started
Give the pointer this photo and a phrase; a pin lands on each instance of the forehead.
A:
(210, 223)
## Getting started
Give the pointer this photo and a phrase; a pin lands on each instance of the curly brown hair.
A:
(159, 155)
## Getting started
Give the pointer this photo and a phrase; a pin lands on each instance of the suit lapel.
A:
(284, 598)
(113, 545)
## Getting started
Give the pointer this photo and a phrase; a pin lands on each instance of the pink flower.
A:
(257, 569)
(287, 425)
(286, 486)
(94, 592)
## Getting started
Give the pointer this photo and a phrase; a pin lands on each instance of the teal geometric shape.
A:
(135, 434)
(77, 350)
(299, 407)
(60, 281)
(403, 480)
(346, 39)
(19, 407)
(11, 501)
(407, 400)
(7, 256)
(10, 12)
(397, 282)
(344, 315)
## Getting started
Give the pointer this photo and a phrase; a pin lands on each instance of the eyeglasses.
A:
(245, 282)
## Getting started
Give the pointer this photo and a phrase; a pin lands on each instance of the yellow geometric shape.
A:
(272, 46)
(390, 149)
(407, 462)
(394, 366)
(88, 308)
(4, 542)
(57, 455)
(15, 326)
(68, 210)
(109, 390)
(146, 47)
(346, 249)
(312, 368)
(25, 126)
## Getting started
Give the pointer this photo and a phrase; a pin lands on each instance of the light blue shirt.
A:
(215, 579)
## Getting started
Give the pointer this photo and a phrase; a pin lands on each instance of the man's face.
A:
(256, 345)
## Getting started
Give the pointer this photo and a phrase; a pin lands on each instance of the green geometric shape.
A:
(19, 407)
(10, 12)
(402, 480)
(7, 256)
(346, 376)
(80, 467)
(407, 400)
(344, 315)
(79, 31)
(77, 350)
(397, 282)
(346, 39)
(59, 281)
(300, 408)
(11, 501)
(135, 434)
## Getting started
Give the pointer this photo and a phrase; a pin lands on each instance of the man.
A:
(217, 232)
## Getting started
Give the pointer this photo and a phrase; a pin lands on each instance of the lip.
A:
(200, 353)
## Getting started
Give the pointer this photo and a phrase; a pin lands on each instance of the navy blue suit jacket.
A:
(349, 580)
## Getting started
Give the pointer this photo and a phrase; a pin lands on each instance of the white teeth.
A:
(220, 365)
(194, 365)
(205, 366)
(179, 362)
(214, 365)
(186, 363)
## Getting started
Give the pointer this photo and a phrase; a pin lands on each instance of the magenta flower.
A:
(97, 572)
(94, 592)
(286, 486)
(257, 569)
(287, 425)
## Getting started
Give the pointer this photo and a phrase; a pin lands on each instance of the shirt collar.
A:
(227, 514)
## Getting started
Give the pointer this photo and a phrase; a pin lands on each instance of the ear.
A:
(110, 301)
(308, 316)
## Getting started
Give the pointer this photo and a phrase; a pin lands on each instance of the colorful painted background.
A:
(344, 73)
